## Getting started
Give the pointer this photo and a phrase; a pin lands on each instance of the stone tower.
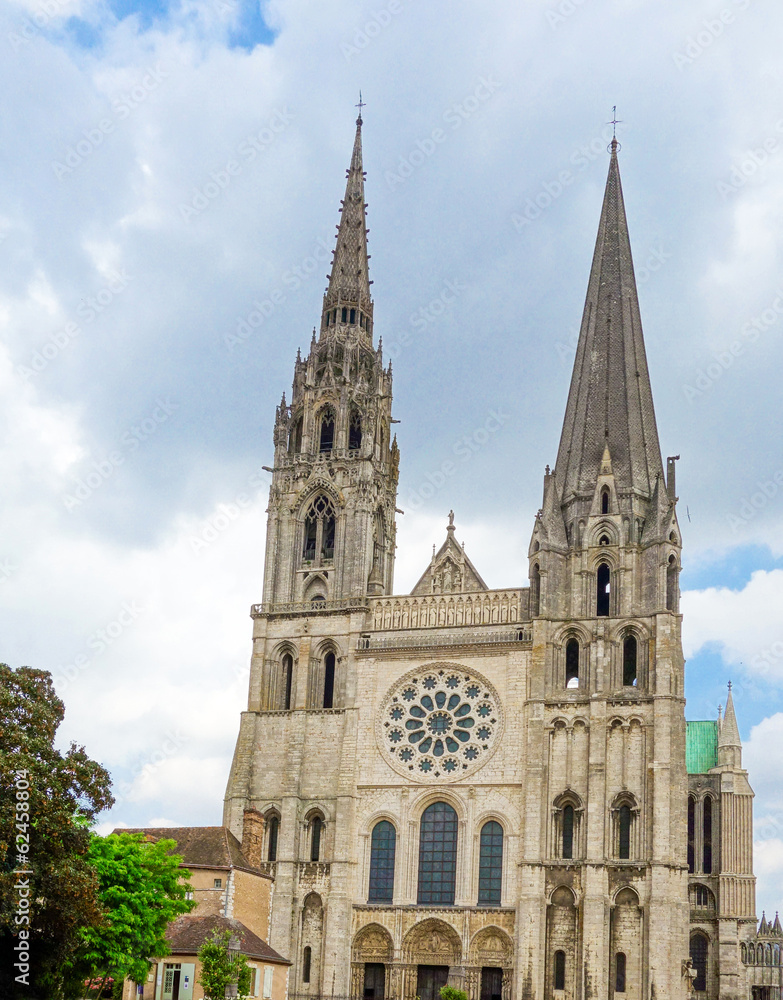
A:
(331, 526)
(606, 760)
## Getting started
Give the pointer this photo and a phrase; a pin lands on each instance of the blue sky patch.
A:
(731, 568)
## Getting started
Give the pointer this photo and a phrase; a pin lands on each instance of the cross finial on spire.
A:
(614, 145)
(360, 105)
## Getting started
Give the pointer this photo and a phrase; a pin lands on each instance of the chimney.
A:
(253, 836)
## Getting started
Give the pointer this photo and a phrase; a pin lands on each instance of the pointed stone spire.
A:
(610, 402)
(729, 731)
(777, 930)
(348, 292)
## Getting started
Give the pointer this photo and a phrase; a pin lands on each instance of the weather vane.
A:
(614, 122)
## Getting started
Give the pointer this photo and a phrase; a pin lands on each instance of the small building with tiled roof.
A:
(231, 893)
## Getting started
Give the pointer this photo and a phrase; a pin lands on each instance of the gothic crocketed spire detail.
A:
(349, 282)
(610, 399)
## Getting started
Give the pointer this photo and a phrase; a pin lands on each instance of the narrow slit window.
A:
(624, 833)
(316, 827)
(691, 834)
(559, 970)
(306, 959)
(619, 972)
(288, 679)
(630, 648)
(671, 585)
(568, 832)
(535, 591)
(572, 663)
(707, 838)
(605, 501)
(329, 664)
(603, 580)
(272, 835)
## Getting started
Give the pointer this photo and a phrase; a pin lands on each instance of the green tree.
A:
(452, 993)
(141, 890)
(218, 970)
(48, 836)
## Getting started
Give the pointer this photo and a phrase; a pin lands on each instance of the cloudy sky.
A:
(164, 167)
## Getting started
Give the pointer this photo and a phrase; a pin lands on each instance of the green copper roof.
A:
(701, 746)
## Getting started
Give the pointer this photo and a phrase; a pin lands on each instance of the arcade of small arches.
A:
(327, 432)
(760, 954)
(629, 660)
(605, 585)
(312, 842)
(324, 682)
(566, 827)
(431, 955)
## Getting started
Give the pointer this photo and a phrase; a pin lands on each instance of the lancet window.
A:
(319, 534)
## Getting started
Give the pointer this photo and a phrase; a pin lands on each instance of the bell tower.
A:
(331, 524)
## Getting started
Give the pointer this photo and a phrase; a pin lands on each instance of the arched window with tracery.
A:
(272, 833)
(383, 846)
(572, 663)
(630, 653)
(326, 437)
(320, 524)
(437, 855)
(698, 952)
(603, 583)
(490, 864)
(354, 430)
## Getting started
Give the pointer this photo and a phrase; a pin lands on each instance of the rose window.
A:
(441, 722)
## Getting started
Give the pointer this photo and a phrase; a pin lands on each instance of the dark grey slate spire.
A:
(610, 399)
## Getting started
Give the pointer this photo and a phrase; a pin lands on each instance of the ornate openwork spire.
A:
(610, 400)
(347, 302)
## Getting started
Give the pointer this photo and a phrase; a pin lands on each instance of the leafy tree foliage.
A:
(218, 970)
(66, 793)
(141, 889)
(452, 993)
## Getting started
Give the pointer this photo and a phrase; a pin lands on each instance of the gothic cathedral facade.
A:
(486, 788)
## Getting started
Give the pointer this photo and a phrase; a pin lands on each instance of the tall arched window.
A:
(490, 864)
(605, 500)
(319, 531)
(355, 431)
(572, 663)
(306, 959)
(535, 591)
(288, 679)
(630, 649)
(698, 952)
(295, 437)
(326, 442)
(568, 831)
(316, 828)
(619, 972)
(273, 830)
(624, 832)
(329, 662)
(438, 855)
(671, 584)
(382, 850)
(559, 976)
(707, 836)
(603, 579)
(691, 834)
